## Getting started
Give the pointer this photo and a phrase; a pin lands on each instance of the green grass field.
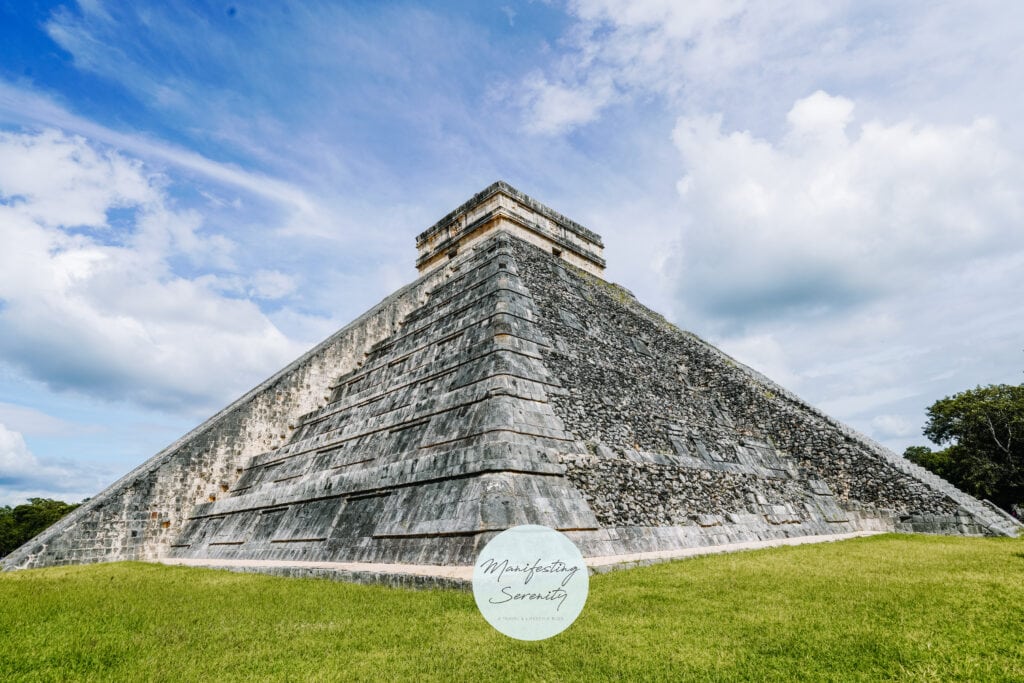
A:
(885, 607)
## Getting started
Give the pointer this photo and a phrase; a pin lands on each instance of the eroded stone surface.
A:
(676, 430)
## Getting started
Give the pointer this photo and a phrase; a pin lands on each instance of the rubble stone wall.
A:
(678, 429)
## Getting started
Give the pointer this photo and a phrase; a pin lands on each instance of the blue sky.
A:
(192, 195)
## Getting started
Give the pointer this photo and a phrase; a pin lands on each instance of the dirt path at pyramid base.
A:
(434, 576)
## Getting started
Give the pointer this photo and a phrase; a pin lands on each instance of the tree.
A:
(934, 461)
(983, 431)
(21, 523)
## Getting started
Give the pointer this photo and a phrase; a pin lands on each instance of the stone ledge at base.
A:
(600, 565)
(460, 577)
(395, 575)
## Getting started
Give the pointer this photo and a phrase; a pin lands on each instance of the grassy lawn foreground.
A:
(905, 607)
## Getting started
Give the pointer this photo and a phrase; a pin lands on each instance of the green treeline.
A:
(20, 523)
(982, 430)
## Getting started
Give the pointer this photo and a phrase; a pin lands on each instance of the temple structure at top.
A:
(501, 206)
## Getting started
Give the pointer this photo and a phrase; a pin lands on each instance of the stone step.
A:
(989, 518)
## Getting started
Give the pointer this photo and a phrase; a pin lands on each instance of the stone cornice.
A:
(521, 197)
(502, 206)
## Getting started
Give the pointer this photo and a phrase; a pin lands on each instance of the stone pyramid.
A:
(509, 384)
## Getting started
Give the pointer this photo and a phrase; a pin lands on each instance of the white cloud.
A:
(271, 284)
(859, 249)
(894, 426)
(555, 108)
(14, 454)
(104, 311)
(33, 109)
(833, 214)
(618, 51)
(62, 181)
(873, 267)
(820, 120)
(23, 475)
(745, 57)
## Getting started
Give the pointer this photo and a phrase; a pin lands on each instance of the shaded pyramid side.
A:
(678, 435)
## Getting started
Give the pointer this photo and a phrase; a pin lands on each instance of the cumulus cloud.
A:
(836, 213)
(98, 307)
(58, 181)
(14, 454)
(871, 266)
(23, 475)
(745, 57)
